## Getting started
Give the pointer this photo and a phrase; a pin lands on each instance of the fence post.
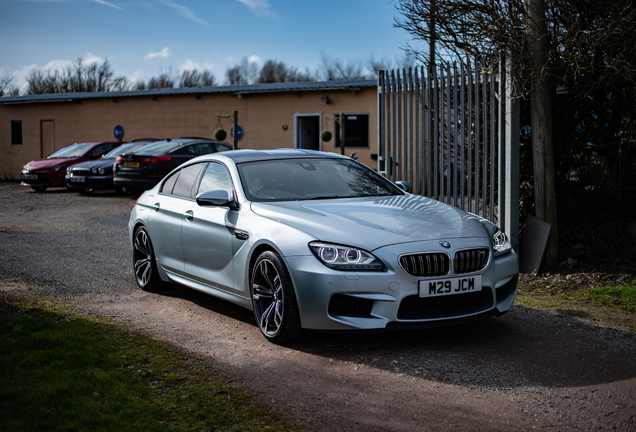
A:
(512, 158)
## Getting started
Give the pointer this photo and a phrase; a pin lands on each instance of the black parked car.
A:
(90, 176)
(140, 170)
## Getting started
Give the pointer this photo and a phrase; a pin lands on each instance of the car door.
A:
(208, 235)
(170, 210)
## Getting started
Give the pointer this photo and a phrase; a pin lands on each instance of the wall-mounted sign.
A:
(119, 132)
(239, 132)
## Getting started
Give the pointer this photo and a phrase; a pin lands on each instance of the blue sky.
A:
(142, 37)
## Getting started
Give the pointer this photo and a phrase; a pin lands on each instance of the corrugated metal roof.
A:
(237, 90)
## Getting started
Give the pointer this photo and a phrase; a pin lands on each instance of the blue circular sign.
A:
(119, 132)
(239, 132)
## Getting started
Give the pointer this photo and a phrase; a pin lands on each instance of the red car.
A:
(51, 171)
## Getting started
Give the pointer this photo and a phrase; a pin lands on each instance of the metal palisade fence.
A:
(452, 131)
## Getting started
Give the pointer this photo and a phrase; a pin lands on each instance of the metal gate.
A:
(453, 133)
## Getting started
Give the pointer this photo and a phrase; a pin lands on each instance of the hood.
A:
(99, 163)
(371, 223)
(50, 163)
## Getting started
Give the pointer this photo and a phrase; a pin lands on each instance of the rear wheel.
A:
(144, 264)
(274, 300)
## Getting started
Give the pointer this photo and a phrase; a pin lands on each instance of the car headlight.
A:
(58, 168)
(344, 257)
(500, 243)
(102, 171)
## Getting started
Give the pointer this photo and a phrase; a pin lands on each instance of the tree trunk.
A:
(541, 124)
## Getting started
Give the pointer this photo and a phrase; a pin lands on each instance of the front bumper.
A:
(42, 179)
(376, 301)
(90, 182)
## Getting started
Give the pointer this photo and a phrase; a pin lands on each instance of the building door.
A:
(47, 137)
(307, 134)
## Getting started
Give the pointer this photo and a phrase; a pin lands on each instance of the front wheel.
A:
(274, 300)
(144, 264)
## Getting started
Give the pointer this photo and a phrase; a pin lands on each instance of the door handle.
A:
(156, 207)
(189, 215)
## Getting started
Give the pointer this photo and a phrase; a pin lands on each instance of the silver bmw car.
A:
(317, 241)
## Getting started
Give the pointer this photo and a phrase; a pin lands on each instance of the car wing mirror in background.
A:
(405, 186)
(216, 198)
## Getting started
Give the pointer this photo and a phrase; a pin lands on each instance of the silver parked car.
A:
(317, 241)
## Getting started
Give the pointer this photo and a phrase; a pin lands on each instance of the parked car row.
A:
(125, 167)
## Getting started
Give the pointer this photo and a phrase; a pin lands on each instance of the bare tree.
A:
(164, 80)
(6, 88)
(194, 78)
(277, 72)
(244, 73)
(76, 78)
(331, 69)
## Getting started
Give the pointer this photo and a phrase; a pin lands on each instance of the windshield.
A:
(303, 179)
(161, 147)
(118, 151)
(74, 150)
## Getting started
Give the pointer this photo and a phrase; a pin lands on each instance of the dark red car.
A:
(51, 171)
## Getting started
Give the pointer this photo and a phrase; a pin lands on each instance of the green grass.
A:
(618, 296)
(610, 306)
(59, 372)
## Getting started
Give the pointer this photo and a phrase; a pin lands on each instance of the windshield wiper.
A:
(323, 197)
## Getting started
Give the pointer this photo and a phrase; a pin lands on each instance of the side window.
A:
(203, 148)
(186, 180)
(16, 132)
(101, 149)
(169, 184)
(222, 147)
(187, 150)
(216, 177)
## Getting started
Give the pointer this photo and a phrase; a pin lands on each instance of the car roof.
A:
(242, 156)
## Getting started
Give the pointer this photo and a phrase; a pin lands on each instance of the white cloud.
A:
(254, 59)
(192, 65)
(163, 53)
(105, 3)
(260, 8)
(184, 11)
(137, 75)
(59, 65)
(21, 75)
(89, 58)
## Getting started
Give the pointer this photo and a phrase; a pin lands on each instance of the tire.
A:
(144, 265)
(274, 300)
(38, 188)
(119, 190)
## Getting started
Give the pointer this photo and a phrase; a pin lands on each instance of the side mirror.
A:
(405, 186)
(216, 198)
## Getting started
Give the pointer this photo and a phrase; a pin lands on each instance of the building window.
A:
(356, 130)
(16, 132)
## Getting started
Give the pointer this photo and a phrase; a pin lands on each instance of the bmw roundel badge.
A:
(445, 244)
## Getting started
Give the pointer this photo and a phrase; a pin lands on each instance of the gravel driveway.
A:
(526, 370)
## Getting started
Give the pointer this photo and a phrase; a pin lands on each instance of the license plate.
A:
(131, 164)
(78, 179)
(442, 287)
(30, 176)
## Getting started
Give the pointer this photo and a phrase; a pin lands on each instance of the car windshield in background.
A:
(303, 179)
(118, 151)
(161, 146)
(74, 150)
